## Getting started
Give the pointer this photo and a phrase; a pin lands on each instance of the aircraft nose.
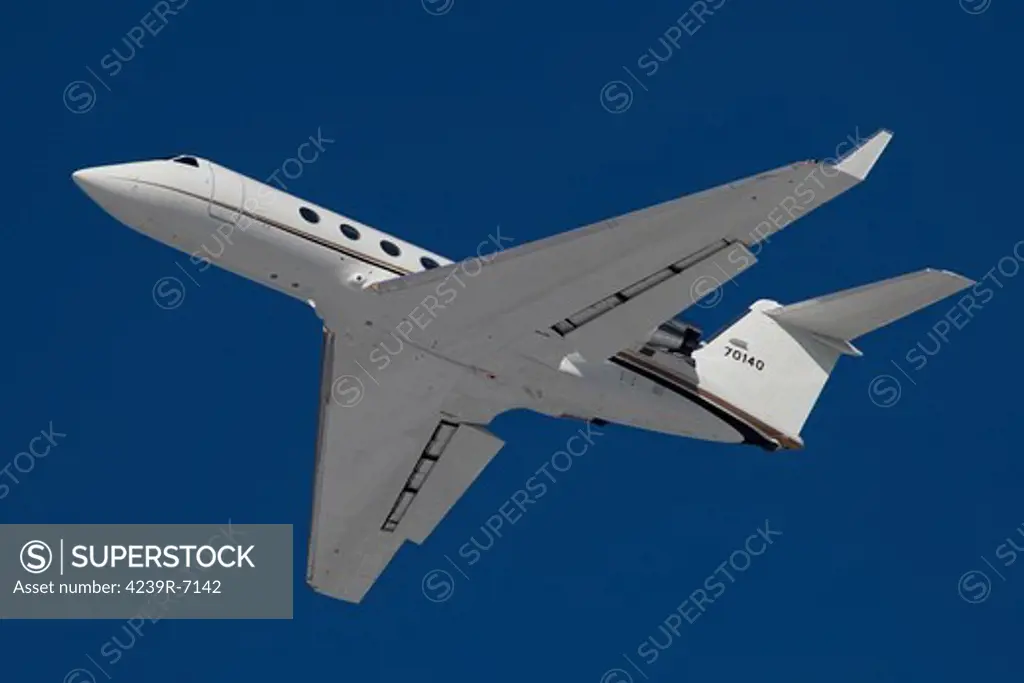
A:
(92, 181)
(112, 188)
(104, 179)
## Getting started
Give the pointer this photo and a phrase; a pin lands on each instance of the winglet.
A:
(860, 161)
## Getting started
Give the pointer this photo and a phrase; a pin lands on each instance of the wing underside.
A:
(390, 463)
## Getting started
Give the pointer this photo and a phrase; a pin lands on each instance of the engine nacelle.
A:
(676, 336)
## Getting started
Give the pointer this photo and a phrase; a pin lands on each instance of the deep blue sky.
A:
(445, 127)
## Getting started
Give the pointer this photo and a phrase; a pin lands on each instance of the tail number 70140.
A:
(743, 357)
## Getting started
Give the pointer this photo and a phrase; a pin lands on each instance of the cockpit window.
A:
(188, 161)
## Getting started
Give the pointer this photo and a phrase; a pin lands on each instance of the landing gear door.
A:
(227, 195)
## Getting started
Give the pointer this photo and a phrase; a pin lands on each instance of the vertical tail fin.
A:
(773, 363)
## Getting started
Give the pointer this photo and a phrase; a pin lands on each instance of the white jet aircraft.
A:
(420, 354)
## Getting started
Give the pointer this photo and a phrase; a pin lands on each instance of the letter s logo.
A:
(36, 557)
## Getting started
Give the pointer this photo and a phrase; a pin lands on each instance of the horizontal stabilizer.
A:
(772, 364)
(846, 315)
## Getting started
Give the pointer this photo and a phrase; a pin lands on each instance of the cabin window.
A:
(390, 248)
(349, 232)
(429, 263)
(309, 214)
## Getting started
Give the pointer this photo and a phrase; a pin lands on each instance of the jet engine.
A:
(675, 336)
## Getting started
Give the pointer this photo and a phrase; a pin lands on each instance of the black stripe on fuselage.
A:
(750, 435)
(302, 234)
